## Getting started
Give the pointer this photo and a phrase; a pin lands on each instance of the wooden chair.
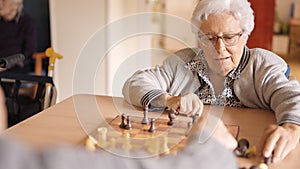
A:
(38, 57)
(28, 94)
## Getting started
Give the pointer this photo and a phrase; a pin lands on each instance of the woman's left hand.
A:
(280, 140)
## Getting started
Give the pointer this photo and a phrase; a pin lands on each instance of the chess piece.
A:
(113, 143)
(240, 150)
(90, 144)
(102, 132)
(126, 145)
(189, 125)
(250, 152)
(165, 148)
(152, 126)
(128, 126)
(145, 118)
(194, 118)
(153, 146)
(172, 117)
(123, 124)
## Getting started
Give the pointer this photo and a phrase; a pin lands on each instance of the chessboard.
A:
(139, 141)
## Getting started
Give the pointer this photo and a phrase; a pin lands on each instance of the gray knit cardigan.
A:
(262, 83)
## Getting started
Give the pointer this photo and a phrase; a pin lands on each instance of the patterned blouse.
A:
(206, 92)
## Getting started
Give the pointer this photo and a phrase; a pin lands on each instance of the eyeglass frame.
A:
(216, 38)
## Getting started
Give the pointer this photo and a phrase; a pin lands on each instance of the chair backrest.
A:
(38, 57)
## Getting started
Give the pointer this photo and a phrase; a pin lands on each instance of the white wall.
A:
(283, 8)
(72, 23)
(184, 11)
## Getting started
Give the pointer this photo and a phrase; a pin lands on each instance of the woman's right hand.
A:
(189, 104)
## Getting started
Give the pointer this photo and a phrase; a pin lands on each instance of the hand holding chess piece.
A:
(189, 104)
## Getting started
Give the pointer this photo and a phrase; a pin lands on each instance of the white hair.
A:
(240, 9)
(19, 10)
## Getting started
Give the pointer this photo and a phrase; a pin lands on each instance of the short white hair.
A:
(240, 9)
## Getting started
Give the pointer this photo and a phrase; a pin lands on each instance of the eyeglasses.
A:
(228, 40)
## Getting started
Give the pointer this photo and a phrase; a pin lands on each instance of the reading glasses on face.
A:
(228, 40)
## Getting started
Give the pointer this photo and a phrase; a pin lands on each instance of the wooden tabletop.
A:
(69, 121)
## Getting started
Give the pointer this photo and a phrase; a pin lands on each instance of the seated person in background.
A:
(18, 33)
(224, 71)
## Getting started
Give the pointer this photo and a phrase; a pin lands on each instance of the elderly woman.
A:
(18, 33)
(223, 71)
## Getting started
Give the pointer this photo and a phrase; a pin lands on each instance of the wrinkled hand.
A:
(280, 140)
(188, 104)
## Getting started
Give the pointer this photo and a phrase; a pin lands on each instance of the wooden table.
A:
(60, 124)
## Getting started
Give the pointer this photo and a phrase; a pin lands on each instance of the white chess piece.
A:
(126, 145)
(102, 133)
(90, 144)
(165, 148)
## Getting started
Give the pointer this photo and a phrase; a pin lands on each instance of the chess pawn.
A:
(112, 143)
(189, 127)
(145, 118)
(128, 126)
(102, 133)
(194, 118)
(153, 146)
(165, 148)
(152, 126)
(90, 144)
(126, 145)
(123, 124)
(171, 116)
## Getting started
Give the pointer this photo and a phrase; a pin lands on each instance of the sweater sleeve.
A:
(172, 77)
(272, 88)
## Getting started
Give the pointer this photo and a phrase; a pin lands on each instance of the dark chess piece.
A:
(194, 118)
(128, 126)
(152, 126)
(145, 118)
(189, 125)
(172, 117)
(123, 124)
(240, 150)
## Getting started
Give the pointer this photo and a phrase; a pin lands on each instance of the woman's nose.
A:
(220, 46)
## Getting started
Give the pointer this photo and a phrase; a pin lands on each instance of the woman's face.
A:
(221, 57)
(8, 9)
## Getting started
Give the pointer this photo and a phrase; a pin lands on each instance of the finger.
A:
(270, 144)
(280, 146)
(182, 106)
(201, 106)
(195, 109)
(267, 132)
(289, 147)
